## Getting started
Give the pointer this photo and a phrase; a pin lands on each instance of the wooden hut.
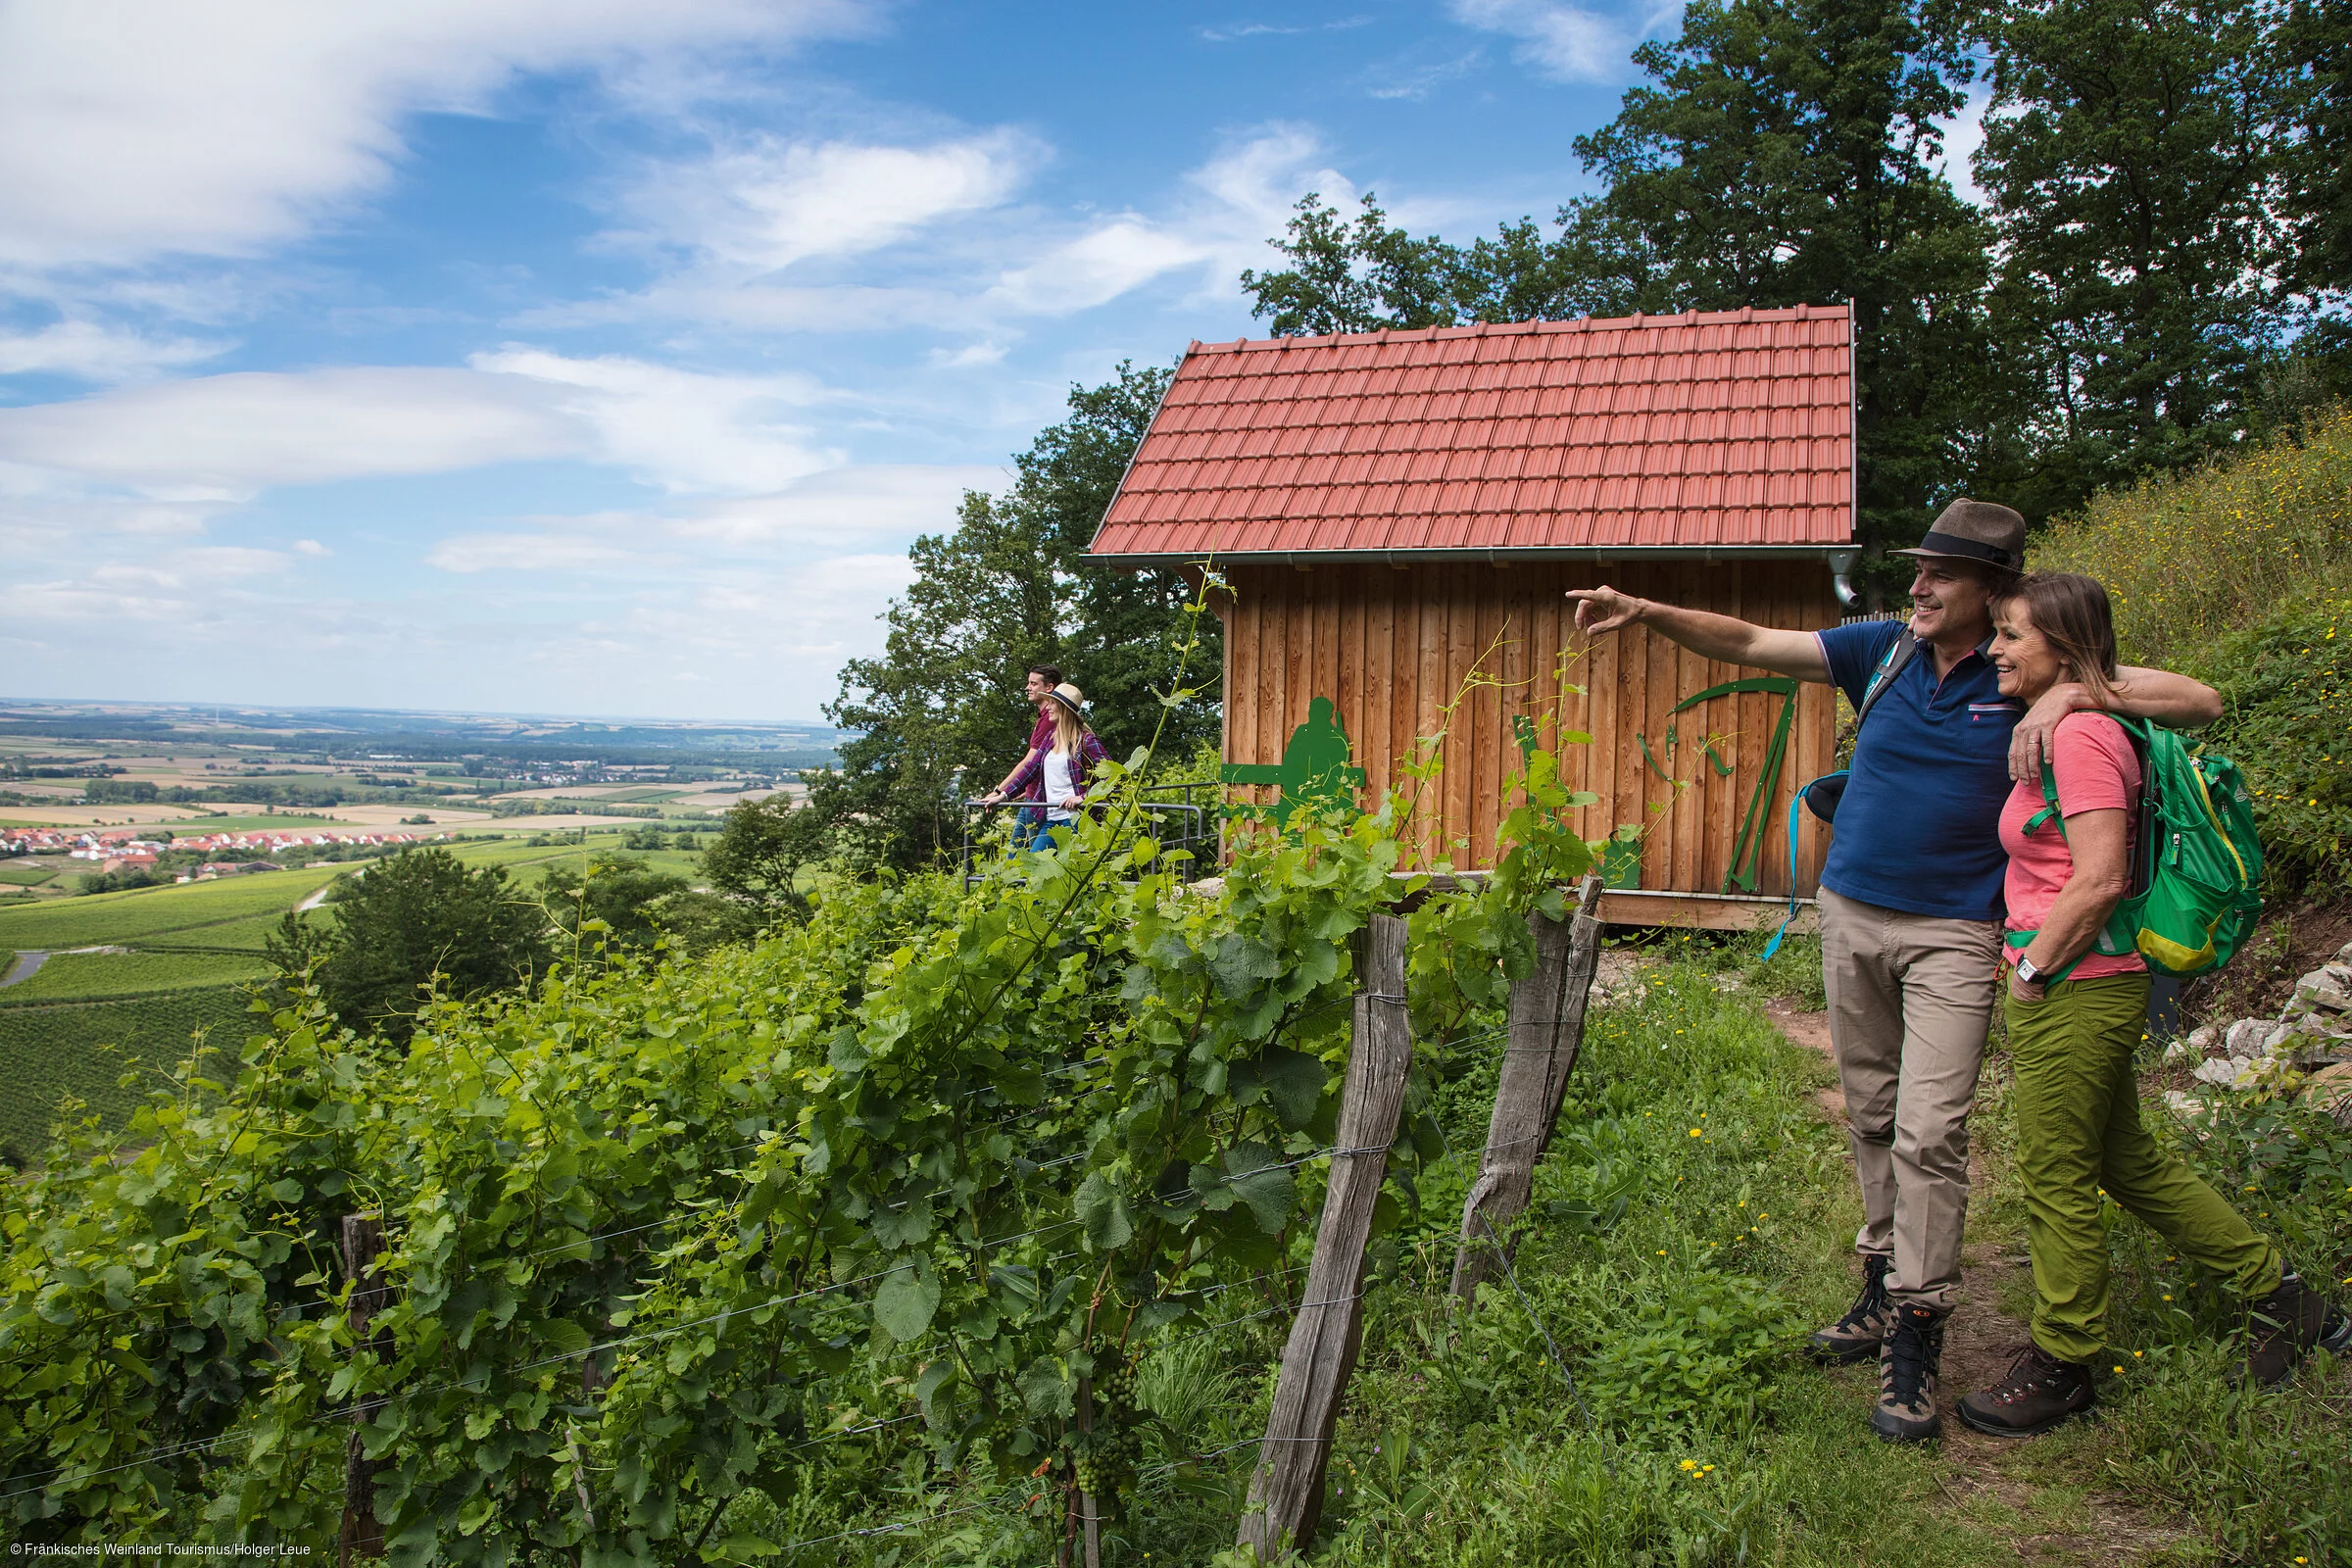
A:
(1396, 515)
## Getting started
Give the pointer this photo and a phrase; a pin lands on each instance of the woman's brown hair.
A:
(1069, 728)
(2070, 613)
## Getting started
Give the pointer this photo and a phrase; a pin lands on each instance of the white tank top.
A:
(1057, 785)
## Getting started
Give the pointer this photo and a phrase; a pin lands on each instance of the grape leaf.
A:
(906, 1301)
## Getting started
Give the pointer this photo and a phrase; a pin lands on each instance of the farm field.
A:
(82, 1048)
(91, 976)
(128, 916)
(194, 950)
(234, 821)
(26, 877)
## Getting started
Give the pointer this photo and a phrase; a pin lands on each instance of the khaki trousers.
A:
(1911, 998)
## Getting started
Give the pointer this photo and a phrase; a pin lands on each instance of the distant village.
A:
(120, 848)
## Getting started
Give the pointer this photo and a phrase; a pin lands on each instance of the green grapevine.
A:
(678, 1247)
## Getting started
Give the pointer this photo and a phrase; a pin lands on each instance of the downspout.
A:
(1842, 576)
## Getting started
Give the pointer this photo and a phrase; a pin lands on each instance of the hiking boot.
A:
(2286, 1325)
(1908, 1363)
(1855, 1337)
(2040, 1391)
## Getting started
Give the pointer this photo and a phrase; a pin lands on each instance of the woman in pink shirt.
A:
(2076, 1016)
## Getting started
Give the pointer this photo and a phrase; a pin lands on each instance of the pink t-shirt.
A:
(2097, 772)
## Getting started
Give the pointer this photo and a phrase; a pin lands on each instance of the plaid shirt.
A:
(1029, 782)
(1041, 737)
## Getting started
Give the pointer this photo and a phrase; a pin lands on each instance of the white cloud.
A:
(766, 204)
(1233, 31)
(845, 503)
(1097, 266)
(678, 429)
(139, 127)
(1566, 43)
(840, 507)
(226, 437)
(312, 547)
(1034, 263)
(94, 353)
(970, 357)
(532, 553)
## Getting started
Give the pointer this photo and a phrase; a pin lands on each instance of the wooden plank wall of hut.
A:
(1395, 647)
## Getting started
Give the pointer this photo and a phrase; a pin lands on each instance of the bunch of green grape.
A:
(1106, 1455)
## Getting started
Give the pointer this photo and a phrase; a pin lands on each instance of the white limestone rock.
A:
(2244, 1037)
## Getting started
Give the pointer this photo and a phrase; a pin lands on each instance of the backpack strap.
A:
(1774, 946)
(2118, 936)
(1898, 656)
(2050, 812)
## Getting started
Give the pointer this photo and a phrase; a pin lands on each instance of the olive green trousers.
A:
(2078, 1131)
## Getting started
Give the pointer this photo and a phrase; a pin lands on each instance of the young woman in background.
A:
(1067, 767)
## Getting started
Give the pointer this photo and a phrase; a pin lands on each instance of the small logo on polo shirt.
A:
(1978, 712)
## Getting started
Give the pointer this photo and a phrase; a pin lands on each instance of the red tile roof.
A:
(1730, 428)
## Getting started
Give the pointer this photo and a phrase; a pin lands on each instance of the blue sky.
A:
(589, 355)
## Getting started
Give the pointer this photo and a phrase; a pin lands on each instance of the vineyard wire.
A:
(369, 1407)
(366, 1407)
(905, 1524)
(1512, 1274)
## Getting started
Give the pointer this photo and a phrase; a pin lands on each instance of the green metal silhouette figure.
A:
(1314, 770)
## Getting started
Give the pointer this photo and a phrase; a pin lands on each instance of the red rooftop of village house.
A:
(1732, 430)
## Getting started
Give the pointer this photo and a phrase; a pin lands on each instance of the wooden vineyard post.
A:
(1286, 1489)
(1547, 1030)
(1089, 1516)
(363, 1246)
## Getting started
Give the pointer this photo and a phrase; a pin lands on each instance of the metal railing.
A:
(1167, 813)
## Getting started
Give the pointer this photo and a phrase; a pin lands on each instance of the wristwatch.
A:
(2027, 973)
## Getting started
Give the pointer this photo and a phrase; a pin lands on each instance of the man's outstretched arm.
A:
(2174, 701)
(1712, 636)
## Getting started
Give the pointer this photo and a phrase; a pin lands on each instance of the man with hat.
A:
(1911, 904)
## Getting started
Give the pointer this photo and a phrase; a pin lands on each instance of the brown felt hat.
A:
(1976, 531)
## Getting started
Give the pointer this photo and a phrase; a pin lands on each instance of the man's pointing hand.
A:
(1604, 608)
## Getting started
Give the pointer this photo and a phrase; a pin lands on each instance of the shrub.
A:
(2241, 575)
(2191, 559)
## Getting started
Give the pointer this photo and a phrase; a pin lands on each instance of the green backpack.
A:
(2195, 867)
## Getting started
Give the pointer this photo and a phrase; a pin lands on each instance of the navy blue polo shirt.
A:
(1918, 827)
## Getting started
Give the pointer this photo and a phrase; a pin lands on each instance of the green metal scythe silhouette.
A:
(1748, 847)
(1314, 769)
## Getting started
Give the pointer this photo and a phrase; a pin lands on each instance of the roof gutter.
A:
(1499, 556)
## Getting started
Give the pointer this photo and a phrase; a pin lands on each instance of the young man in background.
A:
(1043, 678)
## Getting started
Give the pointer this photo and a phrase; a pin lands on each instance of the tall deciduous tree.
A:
(1781, 154)
(760, 852)
(2316, 43)
(942, 710)
(420, 919)
(2131, 159)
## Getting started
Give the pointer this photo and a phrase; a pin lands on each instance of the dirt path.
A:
(1984, 1480)
(29, 963)
(319, 898)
